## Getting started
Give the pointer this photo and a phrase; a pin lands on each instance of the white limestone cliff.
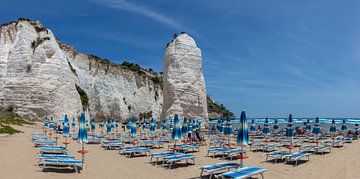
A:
(39, 74)
(184, 85)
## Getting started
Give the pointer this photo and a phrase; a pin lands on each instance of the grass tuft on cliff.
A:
(9, 117)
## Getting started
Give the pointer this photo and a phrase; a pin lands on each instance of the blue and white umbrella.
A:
(66, 126)
(46, 122)
(308, 126)
(93, 125)
(276, 125)
(196, 126)
(73, 123)
(176, 132)
(133, 127)
(253, 126)
(164, 126)
(190, 129)
(343, 126)
(143, 125)
(108, 126)
(117, 124)
(129, 125)
(82, 134)
(266, 129)
(243, 134)
(152, 126)
(316, 129)
(220, 127)
(290, 127)
(333, 126)
(171, 126)
(51, 123)
(184, 128)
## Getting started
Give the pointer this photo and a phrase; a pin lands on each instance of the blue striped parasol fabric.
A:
(152, 126)
(46, 122)
(108, 126)
(333, 126)
(176, 132)
(82, 134)
(184, 128)
(92, 125)
(343, 126)
(290, 127)
(316, 129)
(308, 126)
(164, 125)
(51, 123)
(73, 123)
(253, 126)
(276, 125)
(129, 125)
(143, 127)
(133, 127)
(66, 126)
(266, 129)
(190, 129)
(243, 133)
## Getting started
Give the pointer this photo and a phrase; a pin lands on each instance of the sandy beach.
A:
(18, 160)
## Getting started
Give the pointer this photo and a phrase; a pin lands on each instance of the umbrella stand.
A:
(66, 142)
(83, 152)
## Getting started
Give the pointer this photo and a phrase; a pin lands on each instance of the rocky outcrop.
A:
(41, 76)
(218, 111)
(184, 84)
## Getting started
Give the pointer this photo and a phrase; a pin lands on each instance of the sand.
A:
(18, 160)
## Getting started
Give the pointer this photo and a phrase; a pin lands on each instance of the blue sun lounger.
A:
(131, 151)
(217, 150)
(76, 164)
(112, 144)
(177, 158)
(41, 142)
(39, 136)
(162, 155)
(211, 169)
(53, 150)
(233, 153)
(55, 156)
(296, 157)
(94, 140)
(280, 154)
(245, 172)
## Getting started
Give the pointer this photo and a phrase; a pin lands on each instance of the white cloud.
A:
(142, 10)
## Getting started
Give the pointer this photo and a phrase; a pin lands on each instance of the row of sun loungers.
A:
(170, 158)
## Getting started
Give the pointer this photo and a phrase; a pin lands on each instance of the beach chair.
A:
(348, 139)
(94, 140)
(53, 150)
(296, 157)
(245, 172)
(41, 142)
(306, 148)
(55, 156)
(257, 147)
(112, 144)
(39, 136)
(131, 151)
(211, 169)
(233, 153)
(214, 151)
(162, 155)
(76, 164)
(270, 147)
(280, 154)
(321, 149)
(171, 160)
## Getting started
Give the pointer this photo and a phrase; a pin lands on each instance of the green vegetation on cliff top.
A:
(7, 118)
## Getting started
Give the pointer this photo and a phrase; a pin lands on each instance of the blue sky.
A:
(270, 58)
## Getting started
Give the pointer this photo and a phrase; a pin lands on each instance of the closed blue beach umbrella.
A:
(164, 126)
(133, 127)
(51, 123)
(66, 126)
(152, 126)
(221, 126)
(343, 126)
(308, 126)
(290, 127)
(82, 134)
(108, 126)
(176, 132)
(195, 126)
(316, 129)
(117, 124)
(333, 126)
(266, 129)
(46, 122)
(253, 126)
(243, 134)
(184, 128)
(190, 129)
(143, 127)
(73, 123)
(129, 125)
(171, 124)
(276, 125)
(93, 125)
